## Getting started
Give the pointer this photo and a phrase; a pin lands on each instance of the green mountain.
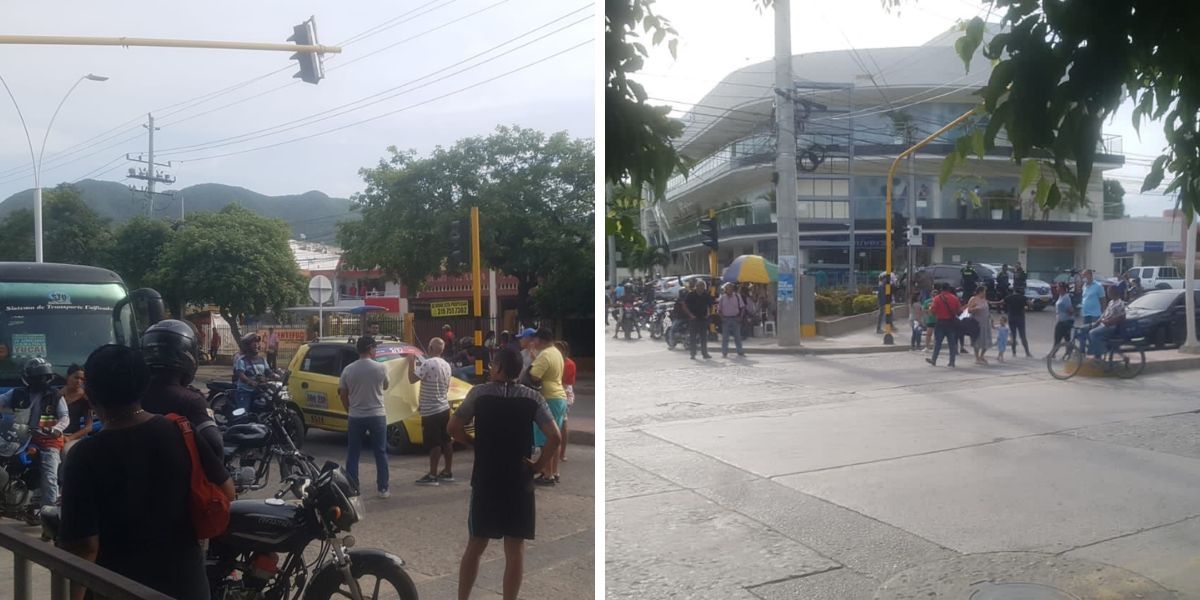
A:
(311, 214)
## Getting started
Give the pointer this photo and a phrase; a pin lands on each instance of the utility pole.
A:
(149, 174)
(785, 174)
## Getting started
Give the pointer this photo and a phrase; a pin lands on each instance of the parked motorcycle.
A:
(628, 321)
(658, 321)
(255, 440)
(271, 397)
(261, 556)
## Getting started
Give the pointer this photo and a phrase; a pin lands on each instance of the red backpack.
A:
(207, 503)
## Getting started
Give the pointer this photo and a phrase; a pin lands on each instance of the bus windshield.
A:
(61, 322)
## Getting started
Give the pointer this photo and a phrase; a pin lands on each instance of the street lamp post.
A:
(37, 161)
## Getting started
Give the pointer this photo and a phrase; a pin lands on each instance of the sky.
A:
(716, 38)
(412, 47)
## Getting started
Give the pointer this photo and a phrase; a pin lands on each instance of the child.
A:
(1002, 335)
(917, 314)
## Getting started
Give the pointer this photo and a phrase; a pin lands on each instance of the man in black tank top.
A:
(502, 503)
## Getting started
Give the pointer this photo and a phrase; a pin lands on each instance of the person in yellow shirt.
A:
(545, 375)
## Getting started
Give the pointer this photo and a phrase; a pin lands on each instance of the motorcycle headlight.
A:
(358, 508)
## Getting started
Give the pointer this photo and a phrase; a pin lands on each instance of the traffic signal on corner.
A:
(708, 233)
(311, 69)
(459, 239)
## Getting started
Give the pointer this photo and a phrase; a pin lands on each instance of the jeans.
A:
(465, 373)
(1062, 331)
(50, 459)
(944, 329)
(1098, 338)
(376, 427)
(1083, 339)
(698, 336)
(879, 322)
(731, 326)
(1018, 330)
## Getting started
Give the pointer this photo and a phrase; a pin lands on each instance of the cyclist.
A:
(1110, 324)
(43, 409)
(247, 369)
(169, 349)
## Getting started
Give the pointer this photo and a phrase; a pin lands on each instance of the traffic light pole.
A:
(887, 229)
(125, 42)
(476, 287)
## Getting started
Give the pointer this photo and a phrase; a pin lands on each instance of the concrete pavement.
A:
(878, 476)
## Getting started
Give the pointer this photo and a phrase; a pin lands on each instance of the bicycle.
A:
(1066, 359)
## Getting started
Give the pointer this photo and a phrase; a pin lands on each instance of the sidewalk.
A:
(581, 427)
(863, 342)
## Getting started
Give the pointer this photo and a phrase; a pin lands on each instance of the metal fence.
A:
(28, 550)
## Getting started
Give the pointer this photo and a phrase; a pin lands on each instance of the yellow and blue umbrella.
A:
(751, 268)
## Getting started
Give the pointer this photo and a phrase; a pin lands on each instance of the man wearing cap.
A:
(546, 374)
(525, 339)
(360, 389)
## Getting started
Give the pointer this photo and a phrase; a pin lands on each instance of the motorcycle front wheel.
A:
(376, 579)
(656, 330)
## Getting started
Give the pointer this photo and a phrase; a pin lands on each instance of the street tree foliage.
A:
(72, 232)
(536, 199)
(137, 246)
(234, 259)
(1061, 69)
(639, 152)
(1114, 199)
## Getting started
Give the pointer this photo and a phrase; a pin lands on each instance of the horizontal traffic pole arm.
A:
(59, 40)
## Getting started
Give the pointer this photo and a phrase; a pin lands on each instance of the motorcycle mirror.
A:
(237, 412)
(329, 466)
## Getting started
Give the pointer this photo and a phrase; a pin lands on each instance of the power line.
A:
(326, 114)
(399, 110)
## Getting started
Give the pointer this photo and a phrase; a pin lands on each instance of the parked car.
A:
(952, 274)
(1038, 294)
(313, 384)
(669, 287)
(1158, 278)
(1159, 316)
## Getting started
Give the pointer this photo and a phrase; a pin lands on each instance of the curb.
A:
(1182, 363)
(818, 351)
(583, 438)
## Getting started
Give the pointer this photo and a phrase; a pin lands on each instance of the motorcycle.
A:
(261, 556)
(657, 326)
(271, 399)
(253, 441)
(628, 321)
(20, 473)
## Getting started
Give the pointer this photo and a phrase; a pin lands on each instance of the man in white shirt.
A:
(434, 376)
(1110, 321)
(361, 391)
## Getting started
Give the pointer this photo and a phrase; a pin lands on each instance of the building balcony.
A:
(743, 161)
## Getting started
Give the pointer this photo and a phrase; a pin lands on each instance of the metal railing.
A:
(64, 567)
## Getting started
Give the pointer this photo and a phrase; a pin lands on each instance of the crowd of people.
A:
(126, 463)
(945, 317)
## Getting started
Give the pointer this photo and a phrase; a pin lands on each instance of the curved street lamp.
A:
(37, 162)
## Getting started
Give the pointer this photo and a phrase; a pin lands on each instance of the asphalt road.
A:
(878, 476)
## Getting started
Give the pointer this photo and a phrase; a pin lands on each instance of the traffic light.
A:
(708, 233)
(915, 237)
(311, 69)
(460, 242)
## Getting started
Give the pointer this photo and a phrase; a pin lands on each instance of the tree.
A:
(536, 198)
(72, 233)
(138, 247)
(1114, 199)
(1061, 69)
(234, 259)
(639, 152)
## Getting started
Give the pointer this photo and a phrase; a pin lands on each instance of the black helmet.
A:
(171, 344)
(249, 343)
(37, 373)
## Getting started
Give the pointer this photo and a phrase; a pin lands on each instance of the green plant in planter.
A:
(825, 306)
(864, 303)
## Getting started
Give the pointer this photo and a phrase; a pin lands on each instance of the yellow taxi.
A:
(312, 381)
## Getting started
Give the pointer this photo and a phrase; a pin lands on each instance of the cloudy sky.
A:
(409, 58)
(717, 37)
